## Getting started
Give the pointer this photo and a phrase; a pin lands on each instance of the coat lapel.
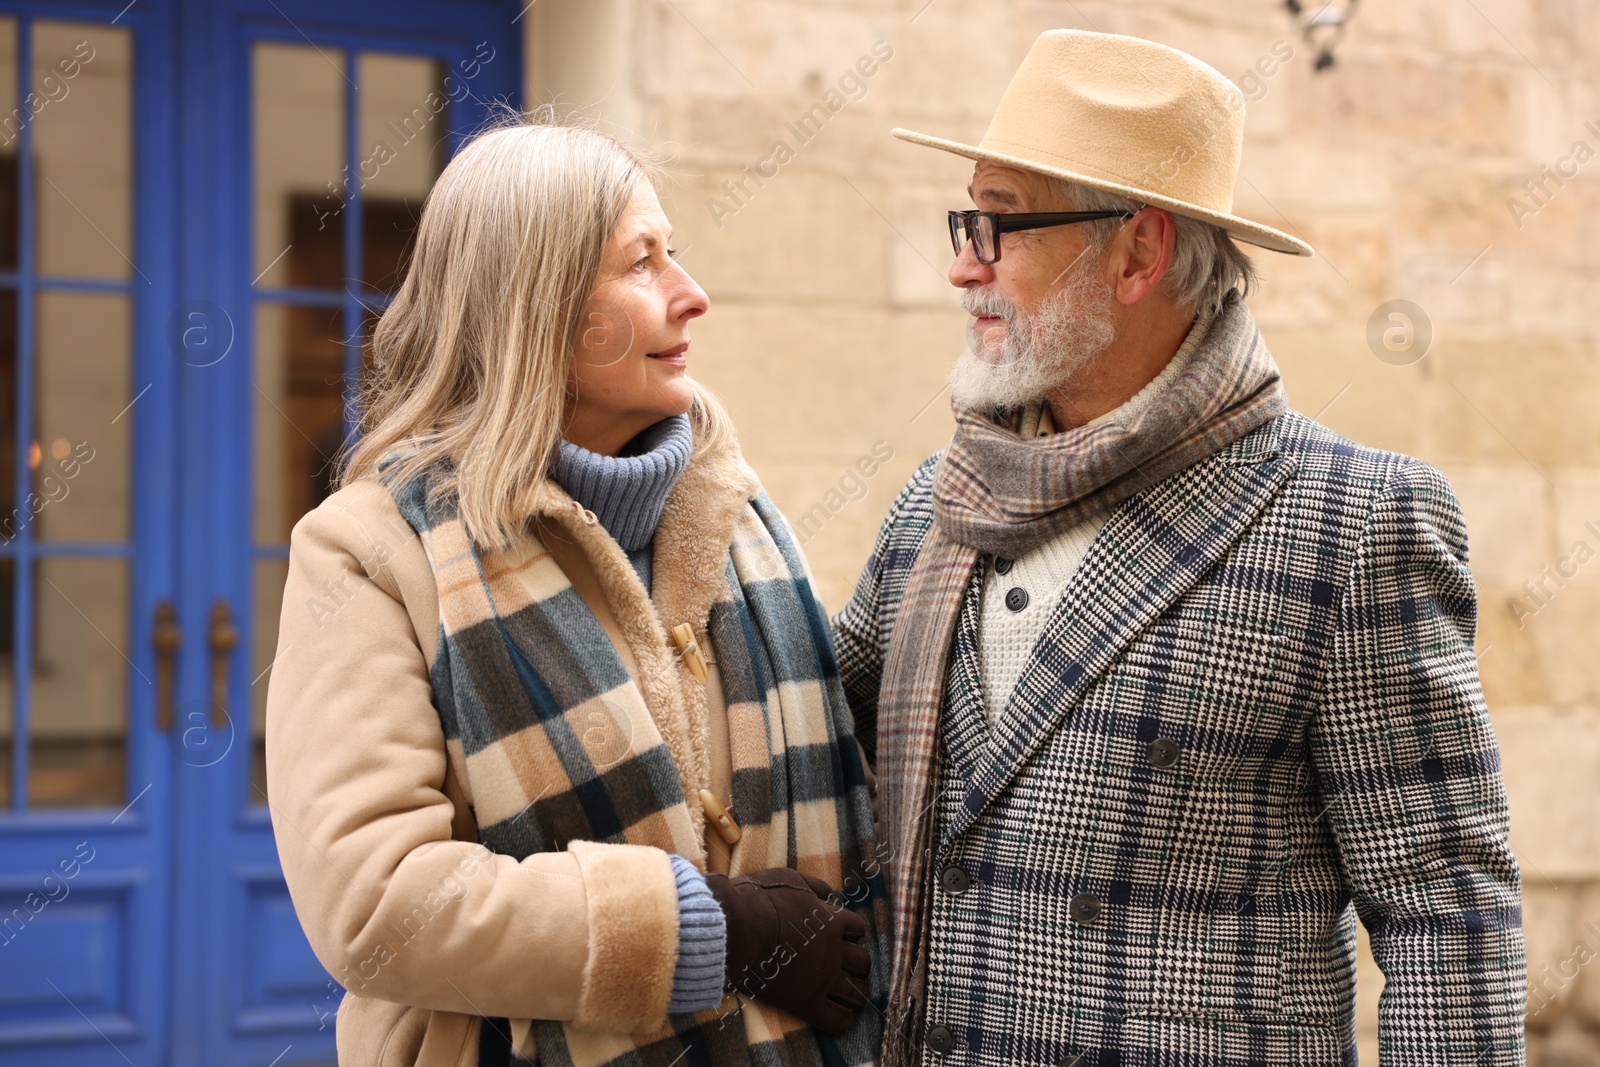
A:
(1153, 550)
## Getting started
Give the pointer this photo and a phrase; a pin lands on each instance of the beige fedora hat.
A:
(1128, 116)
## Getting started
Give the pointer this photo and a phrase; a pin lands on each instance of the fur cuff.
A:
(633, 936)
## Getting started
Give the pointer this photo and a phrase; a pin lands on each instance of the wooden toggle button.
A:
(719, 818)
(693, 658)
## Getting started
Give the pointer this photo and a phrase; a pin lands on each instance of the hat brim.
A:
(1250, 232)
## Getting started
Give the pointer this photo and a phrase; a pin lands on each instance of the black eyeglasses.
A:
(983, 228)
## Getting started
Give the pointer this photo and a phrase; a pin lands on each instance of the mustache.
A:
(979, 302)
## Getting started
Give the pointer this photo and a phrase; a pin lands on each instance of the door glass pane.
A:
(81, 444)
(299, 423)
(82, 127)
(403, 112)
(81, 672)
(10, 121)
(270, 574)
(10, 522)
(8, 721)
(8, 531)
(301, 184)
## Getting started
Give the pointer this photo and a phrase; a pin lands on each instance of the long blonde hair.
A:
(472, 358)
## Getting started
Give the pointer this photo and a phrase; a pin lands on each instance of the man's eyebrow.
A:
(1003, 197)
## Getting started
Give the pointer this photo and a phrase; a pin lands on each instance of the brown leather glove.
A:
(789, 947)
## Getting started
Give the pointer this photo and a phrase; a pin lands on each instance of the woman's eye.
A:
(672, 253)
(642, 263)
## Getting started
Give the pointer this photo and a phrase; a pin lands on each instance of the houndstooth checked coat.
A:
(1255, 705)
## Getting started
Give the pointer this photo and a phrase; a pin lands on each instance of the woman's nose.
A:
(692, 301)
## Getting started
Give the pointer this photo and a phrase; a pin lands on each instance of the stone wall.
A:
(1404, 164)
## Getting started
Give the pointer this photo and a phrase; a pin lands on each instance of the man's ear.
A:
(1141, 254)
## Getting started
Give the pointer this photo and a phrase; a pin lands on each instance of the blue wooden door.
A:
(89, 731)
(201, 214)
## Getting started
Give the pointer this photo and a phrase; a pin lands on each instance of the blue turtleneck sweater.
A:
(627, 492)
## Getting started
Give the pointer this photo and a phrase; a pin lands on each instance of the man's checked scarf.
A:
(528, 685)
(995, 492)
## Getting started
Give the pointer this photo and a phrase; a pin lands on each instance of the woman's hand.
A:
(789, 947)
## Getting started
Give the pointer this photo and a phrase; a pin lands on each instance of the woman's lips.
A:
(676, 356)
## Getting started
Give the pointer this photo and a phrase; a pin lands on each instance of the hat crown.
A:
(1126, 111)
(1126, 116)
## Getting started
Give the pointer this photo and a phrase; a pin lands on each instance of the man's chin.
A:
(989, 346)
(979, 383)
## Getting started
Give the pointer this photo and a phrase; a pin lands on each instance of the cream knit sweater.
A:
(1006, 634)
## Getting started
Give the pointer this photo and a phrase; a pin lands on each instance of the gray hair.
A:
(1206, 262)
(473, 356)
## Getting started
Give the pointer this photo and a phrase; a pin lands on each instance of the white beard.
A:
(1040, 352)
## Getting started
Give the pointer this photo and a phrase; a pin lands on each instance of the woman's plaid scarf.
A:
(556, 743)
(995, 492)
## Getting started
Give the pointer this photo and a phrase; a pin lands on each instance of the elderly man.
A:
(1166, 683)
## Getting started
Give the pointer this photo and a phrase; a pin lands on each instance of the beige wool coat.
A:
(425, 928)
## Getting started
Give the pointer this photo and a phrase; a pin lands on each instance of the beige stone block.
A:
(1229, 48)
(1550, 225)
(1408, 103)
(1577, 508)
(1551, 923)
(711, 49)
(693, 50)
(1297, 176)
(786, 135)
(1035, 17)
(1508, 520)
(1551, 764)
(912, 164)
(1531, 403)
(921, 256)
(1510, 665)
(1496, 396)
(1553, 116)
(1451, 213)
(1549, 305)
(813, 394)
(1569, 36)
(798, 237)
(1382, 26)
(579, 55)
(1349, 271)
(1564, 632)
(807, 48)
(1333, 377)
(1580, 955)
(1294, 293)
(1568, 1045)
(1464, 293)
(940, 81)
(804, 384)
(1501, 29)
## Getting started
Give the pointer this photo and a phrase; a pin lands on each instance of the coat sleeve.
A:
(394, 905)
(1408, 767)
(862, 627)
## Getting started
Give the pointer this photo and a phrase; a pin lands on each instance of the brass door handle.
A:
(224, 638)
(167, 638)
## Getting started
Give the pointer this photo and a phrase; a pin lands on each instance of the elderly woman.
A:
(567, 776)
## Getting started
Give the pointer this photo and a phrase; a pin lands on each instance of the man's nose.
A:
(966, 271)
